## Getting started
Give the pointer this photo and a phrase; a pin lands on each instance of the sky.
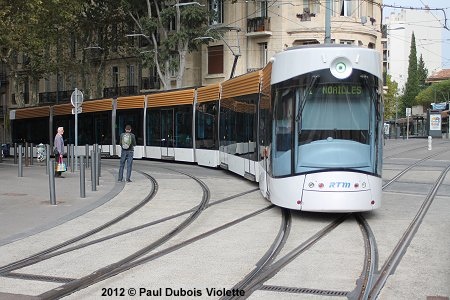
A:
(432, 4)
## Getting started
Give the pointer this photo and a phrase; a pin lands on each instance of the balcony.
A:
(150, 83)
(120, 91)
(51, 97)
(258, 27)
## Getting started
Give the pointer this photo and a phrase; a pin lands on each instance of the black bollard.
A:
(51, 181)
(20, 166)
(82, 178)
(72, 158)
(86, 150)
(31, 153)
(47, 157)
(93, 173)
(15, 153)
(26, 154)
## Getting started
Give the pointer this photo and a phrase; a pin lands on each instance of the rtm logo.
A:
(335, 185)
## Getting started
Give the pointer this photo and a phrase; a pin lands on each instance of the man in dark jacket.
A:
(127, 143)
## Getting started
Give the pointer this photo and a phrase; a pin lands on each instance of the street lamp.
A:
(136, 34)
(93, 47)
(188, 3)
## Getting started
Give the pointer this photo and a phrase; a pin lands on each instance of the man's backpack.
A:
(126, 141)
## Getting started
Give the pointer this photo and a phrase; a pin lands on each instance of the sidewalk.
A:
(25, 207)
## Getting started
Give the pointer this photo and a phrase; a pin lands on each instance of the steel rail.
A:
(35, 258)
(396, 255)
(104, 272)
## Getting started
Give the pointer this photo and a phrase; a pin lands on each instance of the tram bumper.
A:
(337, 201)
(339, 192)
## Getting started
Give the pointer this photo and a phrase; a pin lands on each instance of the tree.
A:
(412, 84)
(27, 31)
(422, 73)
(435, 93)
(171, 31)
(100, 35)
(390, 98)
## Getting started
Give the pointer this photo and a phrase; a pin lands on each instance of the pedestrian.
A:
(59, 148)
(127, 142)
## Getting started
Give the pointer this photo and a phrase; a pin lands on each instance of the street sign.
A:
(79, 110)
(408, 111)
(77, 98)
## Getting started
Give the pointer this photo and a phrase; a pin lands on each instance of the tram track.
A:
(266, 267)
(269, 256)
(368, 280)
(109, 237)
(104, 272)
(134, 263)
(72, 284)
(258, 281)
(399, 250)
(35, 258)
(423, 146)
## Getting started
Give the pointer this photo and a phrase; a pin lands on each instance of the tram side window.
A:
(131, 117)
(153, 127)
(227, 126)
(206, 126)
(183, 129)
(30, 130)
(283, 122)
(282, 130)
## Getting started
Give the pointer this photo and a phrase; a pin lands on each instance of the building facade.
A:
(428, 35)
(250, 33)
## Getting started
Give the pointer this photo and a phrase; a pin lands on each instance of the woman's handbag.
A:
(61, 166)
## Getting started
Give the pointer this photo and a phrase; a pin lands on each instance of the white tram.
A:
(326, 149)
(307, 127)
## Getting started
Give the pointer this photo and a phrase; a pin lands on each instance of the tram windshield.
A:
(329, 124)
(334, 111)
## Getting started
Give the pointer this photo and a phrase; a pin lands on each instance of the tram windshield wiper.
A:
(305, 95)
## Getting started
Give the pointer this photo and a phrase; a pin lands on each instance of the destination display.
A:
(341, 90)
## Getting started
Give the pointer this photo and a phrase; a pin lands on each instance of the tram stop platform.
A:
(25, 206)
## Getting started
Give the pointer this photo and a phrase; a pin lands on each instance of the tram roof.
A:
(304, 59)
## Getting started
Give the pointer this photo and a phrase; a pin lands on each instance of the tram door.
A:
(167, 136)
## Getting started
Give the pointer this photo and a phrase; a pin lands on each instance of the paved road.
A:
(211, 254)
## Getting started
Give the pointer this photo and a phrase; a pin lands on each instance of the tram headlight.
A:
(341, 68)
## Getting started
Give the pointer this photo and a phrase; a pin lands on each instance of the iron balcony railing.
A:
(55, 97)
(258, 24)
(120, 91)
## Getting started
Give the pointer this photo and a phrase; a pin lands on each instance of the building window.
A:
(346, 42)
(345, 8)
(215, 59)
(216, 10)
(263, 8)
(115, 76)
(262, 54)
(130, 75)
(173, 65)
(370, 9)
(172, 24)
(312, 5)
